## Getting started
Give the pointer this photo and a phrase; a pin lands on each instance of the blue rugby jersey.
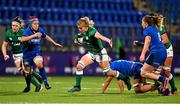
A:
(126, 67)
(156, 43)
(32, 46)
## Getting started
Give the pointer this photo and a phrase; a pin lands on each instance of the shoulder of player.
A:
(149, 29)
(27, 29)
(21, 31)
(92, 29)
(8, 32)
(41, 29)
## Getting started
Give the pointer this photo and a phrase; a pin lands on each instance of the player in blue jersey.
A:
(166, 70)
(32, 49)
(130, 68)
(157, 52)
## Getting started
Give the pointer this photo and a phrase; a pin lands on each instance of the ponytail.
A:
(86, 21)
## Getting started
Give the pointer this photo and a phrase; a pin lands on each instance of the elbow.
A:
(23, 39)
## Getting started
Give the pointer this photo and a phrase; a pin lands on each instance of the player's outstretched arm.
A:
(145, 48)
(26, 38)
(99, 36)
(121, 85)
(106, 83)
(49, 39)
(4, 48)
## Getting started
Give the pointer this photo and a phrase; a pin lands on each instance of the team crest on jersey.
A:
(87, 37)
(19, 38)
(10, 38)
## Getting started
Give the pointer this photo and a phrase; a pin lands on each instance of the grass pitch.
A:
(11, 92)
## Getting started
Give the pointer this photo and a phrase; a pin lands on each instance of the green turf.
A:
(11, 92)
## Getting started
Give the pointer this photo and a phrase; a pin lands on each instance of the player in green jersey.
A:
(96, 52)
(12, 38)
(169, 48)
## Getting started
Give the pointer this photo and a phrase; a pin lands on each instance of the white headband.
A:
(16, 23)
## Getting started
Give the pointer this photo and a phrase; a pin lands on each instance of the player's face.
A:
(15, 27)
(144, 24)
(82, 28)
(35, 25)
(160, 21)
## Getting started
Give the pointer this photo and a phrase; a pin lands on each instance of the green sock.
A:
(35, 74)
(172, 84)
(34, 81)
(155, 81)
(78, 80)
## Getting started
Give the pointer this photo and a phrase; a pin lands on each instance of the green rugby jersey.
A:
(162, 31)
(94, 45)
(13, 40)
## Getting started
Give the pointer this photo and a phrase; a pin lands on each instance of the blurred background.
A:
(117, 19)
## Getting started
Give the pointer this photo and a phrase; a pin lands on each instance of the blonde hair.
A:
(160, 19)
(86, 21)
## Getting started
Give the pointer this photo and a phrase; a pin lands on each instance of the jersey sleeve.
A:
(26, 32)
(6, 36)
(92, 31)
(146, 33)
(43, 33)
(163, 30)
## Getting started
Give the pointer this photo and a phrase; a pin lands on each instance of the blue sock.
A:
(42, 72)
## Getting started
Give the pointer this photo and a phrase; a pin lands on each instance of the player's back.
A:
(156, 43)
(123, 66)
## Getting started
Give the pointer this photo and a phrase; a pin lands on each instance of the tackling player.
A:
(131, 68)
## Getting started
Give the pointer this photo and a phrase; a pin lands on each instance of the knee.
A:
(143, 73)
(167, 71)
(80, 66)
(137, 89)
(39, 65)
(38, 60)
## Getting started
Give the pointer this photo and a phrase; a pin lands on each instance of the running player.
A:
(157, 52)
(32, 50)
(167, 65)
(159, 20)
(12, 38)
(96, 51)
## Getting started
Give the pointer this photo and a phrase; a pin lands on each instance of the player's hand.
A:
(135, 43)
(142, 58)
(76, 42)
(6, 57)
(58, 45)
(111, 43)
(38, 34)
